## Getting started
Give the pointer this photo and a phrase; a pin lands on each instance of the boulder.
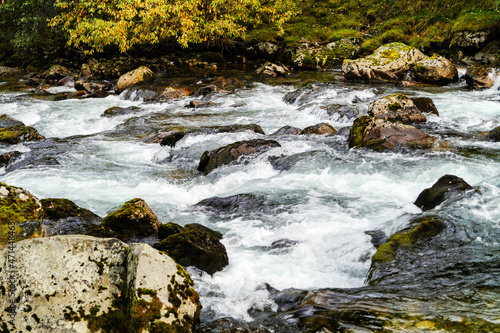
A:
(494, 134)
(425, 104)
(195, 245)
(396, 107)
(8, 121)
(480, 77)
(210, 160)
(319, 57)
(66, 81)
(17, 134)
(171, 138)
(134, 219)
(119, 111)
(57, 72)
(222, 84)
(17, 206)
(175, 92)
(381, 135)
(288, 130)
(6, 158)
(238, 202)
(394, 62)
(273, 70)
(471, 39)
(86, 284)
(94, 88)
(446, 186)
(319, 129)
(138, 75)
(64, 217)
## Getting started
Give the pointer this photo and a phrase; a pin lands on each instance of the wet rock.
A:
(480, 77)
(445, 187)
(17, 134)
(168, 229)
(171, 138)
(174, 92)
(281, 246)
(119, 111)
(273, 70)
(394, 62)
(489, 55)
(6, 158)
(305, 94)
(211, 160)
(239, 202)
(43, 162)
(16, 206)
(319, 129)
(141, 74)
(133, 219)
(342, 113)
(471, 39)
(381, 135)
(140, 93)
(57, 72)
(288, 130)
(396, 107)
(7, 121)
(319, 57)
(226, 325)
(425, 104)
(81, 283)
(284, 163)
(64, 217)
(222, 84)
(196, 246)
(378, 237)
(67, 81)
(494, 134)
(196, 104)
(94, 88)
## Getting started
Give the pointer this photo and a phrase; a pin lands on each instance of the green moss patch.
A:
(16, 134)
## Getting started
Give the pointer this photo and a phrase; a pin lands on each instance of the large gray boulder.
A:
(397, 107)
(86, 284)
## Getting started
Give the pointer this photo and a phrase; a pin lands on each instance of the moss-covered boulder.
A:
(397, 62)
(87, 284)
(319, 57)
(319, 129)
(480, 77)
(382, 135)
(17, 134)
(211, 160)
(445, 187)
(138, 75)
(396, 107)
(194, 245)
(134, 219)
(17, 206)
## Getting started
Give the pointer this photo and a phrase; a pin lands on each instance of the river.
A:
(319, 208)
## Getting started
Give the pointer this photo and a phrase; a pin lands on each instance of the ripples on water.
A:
(322, 205)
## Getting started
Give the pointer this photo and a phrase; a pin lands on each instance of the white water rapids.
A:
(326, 202)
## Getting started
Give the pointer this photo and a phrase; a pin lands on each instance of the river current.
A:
(319, 208)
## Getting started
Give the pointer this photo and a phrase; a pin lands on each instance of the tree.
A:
(95, 24)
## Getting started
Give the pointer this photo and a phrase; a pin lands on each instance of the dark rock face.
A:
(425, 104)
(381, 135)
(133, 219)
(288, 130)
(494, 134)
(119, 111)
(172, 137)
(233, 203)
(230, 153)
(319, 129)
(480, 77)
(440, 191)
(5, 158)
(194, 245)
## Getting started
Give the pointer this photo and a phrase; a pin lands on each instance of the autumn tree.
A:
(95, 24)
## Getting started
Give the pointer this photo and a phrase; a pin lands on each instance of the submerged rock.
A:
(194, 245)
(397, 107)
(8, 121)
(445, 187)
(381, 135)
(119, 111)
(494, 134)
(138, 75)
(393, 62)
(16, 206)
(174, 92)
(211, 160)
(6, 158)
(287, 130)
(238, 202)
(480, 77)
(87, 284)
(133, 219)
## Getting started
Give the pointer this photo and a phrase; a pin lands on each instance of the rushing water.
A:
(321, 207)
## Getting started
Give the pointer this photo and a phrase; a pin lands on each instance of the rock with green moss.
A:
(18, 206)
(320, 57)
(87, 284)
(397, 107)
(480, 77)
(211, 160)
(396, 62)
(445, 187)
(381, 135)
(17, 134)
(64, 217)
(133, 220)
(194, 245)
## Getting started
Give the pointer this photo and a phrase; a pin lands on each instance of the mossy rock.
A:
(446, 186)
(331, 55)
(168, 229)
(133, 219)
(17, 134)
(56, 209)
(17, 206)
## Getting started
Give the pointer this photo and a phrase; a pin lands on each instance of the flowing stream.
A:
(309, 230)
